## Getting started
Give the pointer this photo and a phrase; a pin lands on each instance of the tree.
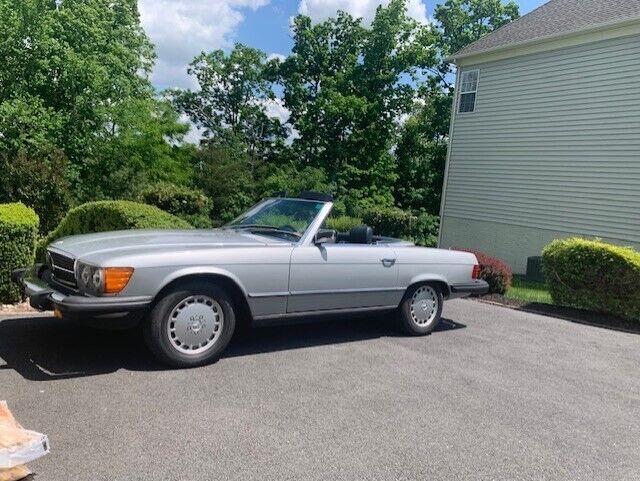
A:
(142, 145)
(223, 174)
(346, 87)
(422, 151)
(37, 179)
(231, 102)
(80, 58)
(462, 22)
(422, 148)
(28, 126)
(75, 78)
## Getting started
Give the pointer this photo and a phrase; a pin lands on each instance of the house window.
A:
(468, 91)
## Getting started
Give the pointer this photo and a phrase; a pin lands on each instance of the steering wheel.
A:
(289, 228)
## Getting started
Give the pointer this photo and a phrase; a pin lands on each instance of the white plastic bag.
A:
(18, 445)
(36, 447)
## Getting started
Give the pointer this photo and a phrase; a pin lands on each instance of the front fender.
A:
(200, 270)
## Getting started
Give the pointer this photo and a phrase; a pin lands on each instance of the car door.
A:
(342, 276)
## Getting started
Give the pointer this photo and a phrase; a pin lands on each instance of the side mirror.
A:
(325, 236)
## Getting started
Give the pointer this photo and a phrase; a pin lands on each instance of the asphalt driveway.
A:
(495, 394)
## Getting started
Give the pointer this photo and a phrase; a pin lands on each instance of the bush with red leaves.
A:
(495, 271)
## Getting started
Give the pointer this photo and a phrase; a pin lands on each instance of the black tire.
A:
(410, 321)
(156, 327)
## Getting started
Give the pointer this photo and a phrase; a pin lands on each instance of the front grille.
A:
(62, 268)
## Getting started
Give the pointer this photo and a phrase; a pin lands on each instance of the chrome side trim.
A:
(268, 294)
(325, 291)
(323, 312)
(347, 291)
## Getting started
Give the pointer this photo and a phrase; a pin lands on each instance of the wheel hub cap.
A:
(195, 324)
(424, 306)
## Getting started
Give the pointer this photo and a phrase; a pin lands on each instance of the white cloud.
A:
(195, 133)
(275, 109)
(181, 29)
(278, 56)
(320, 10)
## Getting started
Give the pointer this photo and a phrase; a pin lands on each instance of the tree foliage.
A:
(37, 179)
(75, 78)
(462, 22)
(369, 109)
(346, 85)
(422, 147)
(231, 102)
(421, 152)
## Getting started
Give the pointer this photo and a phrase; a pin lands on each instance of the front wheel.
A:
(421, 309)
(191, 325)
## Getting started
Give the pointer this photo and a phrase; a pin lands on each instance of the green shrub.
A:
(18, 236)
(394, 222)
(108, 215)
(187, 203)
(343, 223)
(593, 275)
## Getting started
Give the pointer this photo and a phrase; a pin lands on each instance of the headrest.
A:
(362, 234)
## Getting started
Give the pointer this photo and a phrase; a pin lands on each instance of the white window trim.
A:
(461, 92)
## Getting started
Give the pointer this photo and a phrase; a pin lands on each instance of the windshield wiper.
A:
(268, 228)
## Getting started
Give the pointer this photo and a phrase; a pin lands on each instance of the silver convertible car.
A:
(277, 261)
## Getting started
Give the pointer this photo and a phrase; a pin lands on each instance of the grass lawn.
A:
(527, 291)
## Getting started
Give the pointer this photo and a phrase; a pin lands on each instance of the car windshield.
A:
(285, 218)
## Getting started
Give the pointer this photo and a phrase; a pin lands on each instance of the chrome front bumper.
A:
(126, 310)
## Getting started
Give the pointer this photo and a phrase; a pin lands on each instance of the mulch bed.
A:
(20, 308)
(567, 313)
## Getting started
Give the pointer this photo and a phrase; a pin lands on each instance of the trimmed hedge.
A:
(109, 215)
(394, 222)
(343, 223)
(594, 276)
(18, 236)
(187, 203)
(494, 271)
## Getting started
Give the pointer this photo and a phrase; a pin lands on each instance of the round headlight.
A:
(85, 276)
(98, 280)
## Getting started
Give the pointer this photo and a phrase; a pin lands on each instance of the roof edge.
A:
(548, 38)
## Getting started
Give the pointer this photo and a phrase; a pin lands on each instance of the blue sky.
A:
(180, 29)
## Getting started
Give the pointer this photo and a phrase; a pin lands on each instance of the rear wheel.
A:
(191, 325)
(421, 309)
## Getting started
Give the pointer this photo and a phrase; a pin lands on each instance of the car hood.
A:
(121, 242)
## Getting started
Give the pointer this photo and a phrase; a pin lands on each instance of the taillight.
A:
(475, 274)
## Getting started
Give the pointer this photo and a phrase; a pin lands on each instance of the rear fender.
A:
(435, 278)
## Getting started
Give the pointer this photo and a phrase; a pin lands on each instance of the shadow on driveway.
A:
(47, 349)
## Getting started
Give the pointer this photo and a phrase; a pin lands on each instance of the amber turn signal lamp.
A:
(116, 279)
(476, 272)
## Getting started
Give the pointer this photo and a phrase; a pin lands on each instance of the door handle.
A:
(388, 262)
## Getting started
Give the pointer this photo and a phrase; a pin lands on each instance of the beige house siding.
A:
(552, 149)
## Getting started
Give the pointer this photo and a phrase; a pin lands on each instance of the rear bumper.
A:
(476, 288)
(113, 312)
